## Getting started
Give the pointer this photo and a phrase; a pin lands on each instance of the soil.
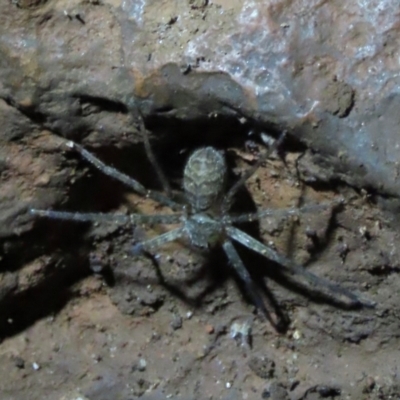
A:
(179, 324)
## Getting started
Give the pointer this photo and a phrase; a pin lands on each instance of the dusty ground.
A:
(80, 317)
(128, 332)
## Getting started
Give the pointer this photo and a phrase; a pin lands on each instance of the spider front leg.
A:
(228, 198)
(281, 212)
(244, 275)
(292, 269)
(152, 158)
(158, 241)
(105, 217)
(127, 180)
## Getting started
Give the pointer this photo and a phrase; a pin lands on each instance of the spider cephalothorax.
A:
(204, 218)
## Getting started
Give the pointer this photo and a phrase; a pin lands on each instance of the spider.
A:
(204, 217)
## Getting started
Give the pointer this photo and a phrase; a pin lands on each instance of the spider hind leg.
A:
(318, 285)
(270, 312)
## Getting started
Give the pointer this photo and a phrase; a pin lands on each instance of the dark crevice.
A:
(383, 270)
(47, 297)
(174, 140)
(29, 111)
(163, 110)
(101, 104)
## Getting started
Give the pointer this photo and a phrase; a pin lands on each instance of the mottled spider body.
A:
(204, 178)
(205, 220)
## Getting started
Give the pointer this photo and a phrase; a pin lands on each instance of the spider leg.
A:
(150, 155)
(244, 275)
(281, 212)
(158, 241)
(227, 201)
(292, 269)
(106, 217)
(114, 173)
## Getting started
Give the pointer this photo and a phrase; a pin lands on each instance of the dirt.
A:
(168, 327)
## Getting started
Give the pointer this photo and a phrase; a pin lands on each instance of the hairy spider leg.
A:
(227, 201)
(147, 245)
(244, 275)
(106, 217)
(127, 180)
(153, 160)
(281, 212)
(291, 269)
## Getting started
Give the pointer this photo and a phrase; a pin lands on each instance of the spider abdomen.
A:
(204, 178)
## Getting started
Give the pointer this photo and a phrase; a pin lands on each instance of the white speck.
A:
(35, 366)
(228, 385)
(142, 364)
(189, 314)
(296, 334)
(241, 332)
(70, 144)
(268, 140)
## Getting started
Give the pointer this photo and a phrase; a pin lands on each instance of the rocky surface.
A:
(221, 73)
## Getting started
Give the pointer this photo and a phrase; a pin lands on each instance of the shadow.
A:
(261, 268)
(214, 278)
(174, 140)
(46, 297)
(64, 245)
(270, 309)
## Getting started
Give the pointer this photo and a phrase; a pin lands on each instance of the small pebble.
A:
(209, 329)
(176, 323)
(189, 314)
(296, 334)
(35, 366)
(142, 364)
(265, 394)
(19, 362)
(95, 263)
(241, 332)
